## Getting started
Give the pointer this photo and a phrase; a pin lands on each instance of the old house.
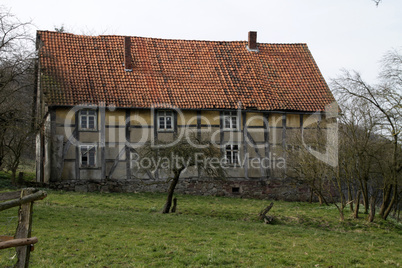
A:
(102, 97)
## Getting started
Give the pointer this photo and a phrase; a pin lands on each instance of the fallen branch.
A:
(265, 211)
(263, 214)
(18, 242)
(268, 219)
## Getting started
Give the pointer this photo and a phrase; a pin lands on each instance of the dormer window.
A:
(88, 119)
(165, 120)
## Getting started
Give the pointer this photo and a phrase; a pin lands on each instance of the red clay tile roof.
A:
(78, 69)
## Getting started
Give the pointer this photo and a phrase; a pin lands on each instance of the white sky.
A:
(351, 34)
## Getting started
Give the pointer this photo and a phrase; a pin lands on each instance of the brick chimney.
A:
(128, 63)
(252, 41)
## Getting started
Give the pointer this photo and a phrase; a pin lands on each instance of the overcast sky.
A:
(351, 34)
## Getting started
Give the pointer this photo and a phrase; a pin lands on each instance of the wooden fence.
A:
(22, 240)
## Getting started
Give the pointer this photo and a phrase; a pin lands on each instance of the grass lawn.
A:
(127, 230)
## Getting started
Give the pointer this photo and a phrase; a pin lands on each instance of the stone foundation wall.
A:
(276, 189)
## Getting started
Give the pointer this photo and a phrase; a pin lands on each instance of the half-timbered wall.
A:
(104, 152)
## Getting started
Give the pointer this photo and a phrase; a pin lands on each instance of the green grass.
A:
(127, 230)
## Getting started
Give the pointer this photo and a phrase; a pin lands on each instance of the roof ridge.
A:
(166, 39)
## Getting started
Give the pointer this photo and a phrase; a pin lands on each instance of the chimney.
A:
(252, 41)
(128, 65)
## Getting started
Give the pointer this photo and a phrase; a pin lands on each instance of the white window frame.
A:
(92, 148)
(232, 153)
(230, 121)
(166, 115)
(86, 115)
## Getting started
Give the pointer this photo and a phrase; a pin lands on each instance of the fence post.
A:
(24, 229)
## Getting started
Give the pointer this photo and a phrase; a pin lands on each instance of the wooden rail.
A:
(23, 200)
(18, 242)
(22, 240)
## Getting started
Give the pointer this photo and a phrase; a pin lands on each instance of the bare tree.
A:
(358, 125)
(189, 152)
(323, 176)
(364, 155)
(370, 153)
(16, 89)
(382, 125)
(304, 166)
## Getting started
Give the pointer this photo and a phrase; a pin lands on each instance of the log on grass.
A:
(263, 213)
(268, 219)
(18, 242)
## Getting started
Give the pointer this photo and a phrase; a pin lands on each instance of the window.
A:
(235, 189)
(232, 154)
(88, 156)
(230, 120)
(165, 120)
(88, 120)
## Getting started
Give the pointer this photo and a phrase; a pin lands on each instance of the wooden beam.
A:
(154, 115)
(24, 227)
(66, 147)
(244, 138)
(199, 124)
(128, 141)
(116, 161)
(52, 122)
(23, 200)
(102, 128)
(175, 114)
(301, 121)
(284, 131)
(221, 132)
(257, 151)
(267, 148)
(77, 147)
(18, 242)
(42, 159)
(199, 138)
